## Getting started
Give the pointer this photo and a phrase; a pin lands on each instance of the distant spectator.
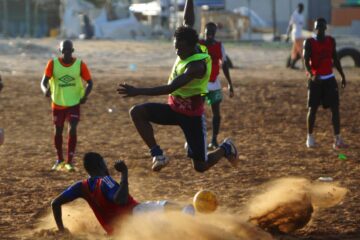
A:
(296, 24)
(165, 13)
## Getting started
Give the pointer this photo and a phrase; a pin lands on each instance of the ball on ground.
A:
(205, 201)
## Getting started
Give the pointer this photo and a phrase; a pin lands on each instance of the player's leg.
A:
(314, 100)
(73, 116)
(332, 98)
(214, 98)
(215, 124)
(58, 121)
(142, 116)
(311, 117)
(194, 129)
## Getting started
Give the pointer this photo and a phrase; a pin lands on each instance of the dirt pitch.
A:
(266, 119)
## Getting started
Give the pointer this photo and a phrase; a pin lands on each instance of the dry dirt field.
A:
(266, 119)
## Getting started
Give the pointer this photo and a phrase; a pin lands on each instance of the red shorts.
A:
(70, 114)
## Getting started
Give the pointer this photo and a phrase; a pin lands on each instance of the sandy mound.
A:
(287, 204)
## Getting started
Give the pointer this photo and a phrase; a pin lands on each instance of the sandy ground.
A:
(266, 119)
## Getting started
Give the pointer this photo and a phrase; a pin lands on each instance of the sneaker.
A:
(58, 165)
(233, 157)
(69, 167)
(339, 144)
(310, 141)
(159, 162)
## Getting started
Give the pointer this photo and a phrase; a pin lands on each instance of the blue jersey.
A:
(108, 188)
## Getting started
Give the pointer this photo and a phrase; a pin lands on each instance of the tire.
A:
(350, 52)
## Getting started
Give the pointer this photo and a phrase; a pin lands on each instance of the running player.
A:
(62, 81)
(109, 200)
(218, 56)
(295, 27)
(320, 56)
(186, 86)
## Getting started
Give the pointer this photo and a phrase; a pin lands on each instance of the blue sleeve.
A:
(74, 191)
(109, 188)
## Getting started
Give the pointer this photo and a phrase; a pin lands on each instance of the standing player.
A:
(186, 86)
(62, 81)
(1, 84)
(109, 200)
(214, 96)
(320, 56)
(295, 27)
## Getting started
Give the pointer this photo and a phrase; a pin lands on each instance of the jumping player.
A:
(62, 81)
(320, 56)
(295, 27)
(218, 56)
(109, 200)
(186, 86)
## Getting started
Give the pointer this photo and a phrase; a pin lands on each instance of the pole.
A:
(274, 19)
(249, 17)
(5, 17)
(27, 17)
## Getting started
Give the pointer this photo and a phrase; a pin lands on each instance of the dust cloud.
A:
(283, 205)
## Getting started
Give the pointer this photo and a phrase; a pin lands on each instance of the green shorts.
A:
(213, 97)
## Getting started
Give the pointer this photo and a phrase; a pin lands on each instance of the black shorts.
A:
(323, 92)
(194, 127)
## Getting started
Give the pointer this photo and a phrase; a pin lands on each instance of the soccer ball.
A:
(205, 201)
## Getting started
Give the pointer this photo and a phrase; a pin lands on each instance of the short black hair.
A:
(321, 19)
(211, 25)
(94, 162)
(184, 33)
(301, 5)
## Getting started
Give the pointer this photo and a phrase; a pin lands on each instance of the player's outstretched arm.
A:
(70, 194)
(189, 14)
(45, 86)
(122, 194)
(194, 70)
(338, 66)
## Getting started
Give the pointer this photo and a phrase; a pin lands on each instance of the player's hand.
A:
(64, 232)
(231, 91)
(314, 78)
(127, 90)
(120, 166)
(343, 82)
(83, 100)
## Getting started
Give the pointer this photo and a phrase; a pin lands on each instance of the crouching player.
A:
(109, 200)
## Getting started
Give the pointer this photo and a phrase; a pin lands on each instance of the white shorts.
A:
(212, 86)
(150, 206)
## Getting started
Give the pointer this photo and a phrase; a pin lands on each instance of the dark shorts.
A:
(323, 92)
(194, 127)
(70, 114)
